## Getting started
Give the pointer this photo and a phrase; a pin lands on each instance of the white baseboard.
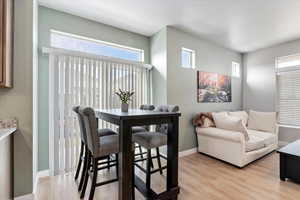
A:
(39, 175)
(188, 152)
(25, 197)
(282, 143)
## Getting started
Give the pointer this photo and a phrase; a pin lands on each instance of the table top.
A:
(291, 149)
(134, 113)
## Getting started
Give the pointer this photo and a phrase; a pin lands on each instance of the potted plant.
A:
(125, 97)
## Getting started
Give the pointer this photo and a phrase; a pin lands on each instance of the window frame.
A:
(101, 42)
(192, 59)
(234, 71)
(278, 72)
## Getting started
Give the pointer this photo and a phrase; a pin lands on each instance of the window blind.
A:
(87, 80)
(288, 90)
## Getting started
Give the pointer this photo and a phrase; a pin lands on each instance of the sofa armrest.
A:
(276, 130)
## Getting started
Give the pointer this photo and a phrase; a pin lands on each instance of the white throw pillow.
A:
(224, 121)
(219, 114)
(262, 121)
(243, 115)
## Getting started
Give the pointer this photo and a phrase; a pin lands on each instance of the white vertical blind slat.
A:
(289, 98)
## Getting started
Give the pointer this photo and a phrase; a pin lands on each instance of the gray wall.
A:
(17, 102)
(182, 83)
(260, 82)
(158, 46)
(52, 19)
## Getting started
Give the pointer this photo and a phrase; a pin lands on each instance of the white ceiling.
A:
(241, 25)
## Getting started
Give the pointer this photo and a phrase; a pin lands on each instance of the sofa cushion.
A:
(224, 121)
(243, 115)
(262, 121)
(221, 134)
(254, 143)
(268, 138)
(259, 139)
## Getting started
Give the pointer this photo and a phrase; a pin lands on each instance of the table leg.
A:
(282, 167)
(125, 162)
(172, 162)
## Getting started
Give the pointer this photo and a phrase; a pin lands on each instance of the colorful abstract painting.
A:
(213, 87)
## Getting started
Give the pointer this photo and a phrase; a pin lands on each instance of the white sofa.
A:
(232, 147)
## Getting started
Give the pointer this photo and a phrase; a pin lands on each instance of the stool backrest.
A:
(163, 128)
(147, 107)
(90, 123)
(81, 124)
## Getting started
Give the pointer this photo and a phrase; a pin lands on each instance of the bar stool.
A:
(98, 148)
(83, 149)
(151, 140)
(139, 129)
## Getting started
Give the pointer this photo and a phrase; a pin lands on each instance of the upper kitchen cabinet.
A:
(6, 43)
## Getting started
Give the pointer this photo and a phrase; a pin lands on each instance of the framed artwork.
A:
(6, 43)
(213, 87)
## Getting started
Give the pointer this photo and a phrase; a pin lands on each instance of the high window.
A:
(288, 89)
(235, 69)
(87, 45)
(187, 58)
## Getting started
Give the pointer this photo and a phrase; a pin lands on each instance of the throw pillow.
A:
(230, 123)
(204, 120)
(262, 121)
(243, 115)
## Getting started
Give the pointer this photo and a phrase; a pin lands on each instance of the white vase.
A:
(124, 107)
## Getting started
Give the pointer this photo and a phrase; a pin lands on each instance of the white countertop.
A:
(6, 132)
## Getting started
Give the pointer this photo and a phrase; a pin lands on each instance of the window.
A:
(235, 69)
(187, 58)
(92, 46)
(288, 90)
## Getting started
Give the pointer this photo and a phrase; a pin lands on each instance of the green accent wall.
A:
(56, 20)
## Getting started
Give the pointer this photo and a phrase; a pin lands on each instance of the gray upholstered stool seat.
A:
(105, 132)
(137, 129)
(108, 145)
(150, 140)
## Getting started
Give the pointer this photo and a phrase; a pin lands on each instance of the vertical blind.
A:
(86, 80)
(288, 90)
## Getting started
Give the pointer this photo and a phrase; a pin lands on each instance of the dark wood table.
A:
(138, 118)
(290, 161)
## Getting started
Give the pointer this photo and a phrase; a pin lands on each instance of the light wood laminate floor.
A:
(201, 178)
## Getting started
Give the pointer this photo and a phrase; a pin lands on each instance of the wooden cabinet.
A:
(6, 43)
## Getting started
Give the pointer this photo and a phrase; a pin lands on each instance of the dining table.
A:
(127, 179)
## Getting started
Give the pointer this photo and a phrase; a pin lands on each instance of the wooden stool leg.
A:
(158, 160)
(84, 169)
(133, 182)
(148, 170)
(141, 151)
(151, 162)
(79, 161)
(94, 180)
(86, 176)
(117, 165)
(108, 162)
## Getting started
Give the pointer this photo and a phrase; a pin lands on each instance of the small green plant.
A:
(125, 96)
